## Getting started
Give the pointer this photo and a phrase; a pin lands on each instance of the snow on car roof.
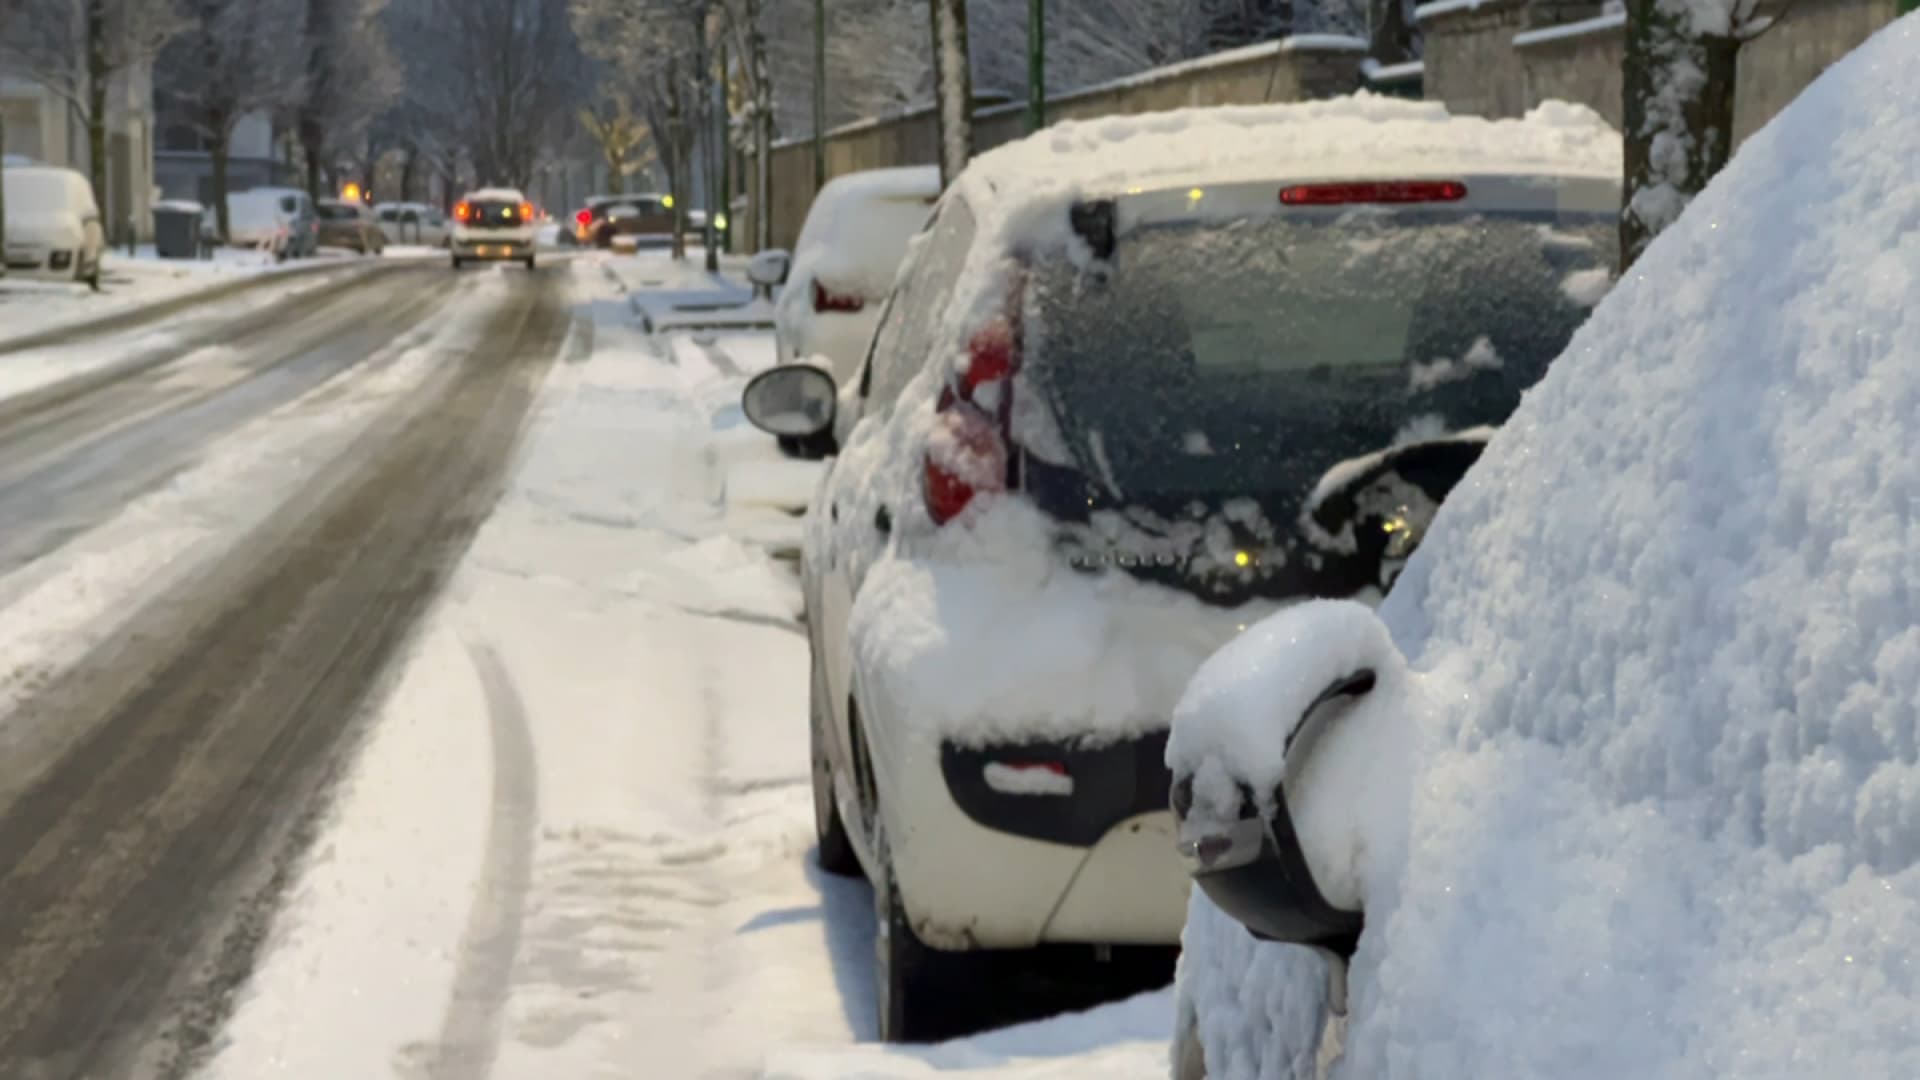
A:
(900, 182)
(500, 194)
(1667, 820)
(1361, 135)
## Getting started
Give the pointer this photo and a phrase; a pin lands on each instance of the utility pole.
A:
(952, 86)
(819, 94)
(1036, 65)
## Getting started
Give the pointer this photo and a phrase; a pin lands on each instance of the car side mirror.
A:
(770, 267)
(793, 401)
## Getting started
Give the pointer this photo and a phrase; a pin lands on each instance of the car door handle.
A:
(883, 520)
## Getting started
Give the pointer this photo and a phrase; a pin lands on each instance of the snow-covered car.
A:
(277, 220)
(413, 223)
(494, 225)
(1140, 381)
(53, 225)
(849, 250)
(350, 225)
(1621, 779)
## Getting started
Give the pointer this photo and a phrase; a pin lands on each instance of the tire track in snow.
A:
(483, 981)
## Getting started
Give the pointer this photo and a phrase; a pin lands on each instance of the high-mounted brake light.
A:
(969, 450)
(825, 299)
(1397, 191)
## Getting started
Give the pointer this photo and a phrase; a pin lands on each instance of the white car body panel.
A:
(54, 229)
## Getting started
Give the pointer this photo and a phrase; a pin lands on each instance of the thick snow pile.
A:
(987, 636)
(857, 232)
(1666, 816)
(1361, 134)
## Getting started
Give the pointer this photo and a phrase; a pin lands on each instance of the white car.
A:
(1622, 780)
(53, 225)
(494, 225)
(413, 223)
(281, 221)
(849, 250)
(1139, 383)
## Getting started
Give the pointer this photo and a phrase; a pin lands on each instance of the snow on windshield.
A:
(1668, 823)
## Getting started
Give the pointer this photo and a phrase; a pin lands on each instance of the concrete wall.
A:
(1276, 71)
(1471, 63)
(1474, 65)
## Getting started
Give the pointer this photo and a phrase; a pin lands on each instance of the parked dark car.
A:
(647, 218)
(349, 225)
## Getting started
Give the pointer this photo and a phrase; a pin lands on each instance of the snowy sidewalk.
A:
(577, 842)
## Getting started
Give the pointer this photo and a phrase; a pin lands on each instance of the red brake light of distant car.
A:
(1396, 191)
(825, 299)
(463, 211)
(584, 217)
(969, 450)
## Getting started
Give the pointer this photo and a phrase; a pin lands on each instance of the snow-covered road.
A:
(351, 797)
(578, 843)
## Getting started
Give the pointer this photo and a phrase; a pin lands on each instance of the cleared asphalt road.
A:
(157, 794)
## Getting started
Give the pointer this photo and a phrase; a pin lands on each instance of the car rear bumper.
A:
(1087, 857)
(505, 248)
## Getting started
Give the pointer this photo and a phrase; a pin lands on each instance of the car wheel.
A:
(835, 850)
(531, 265)
(908, 977)
(458, 262)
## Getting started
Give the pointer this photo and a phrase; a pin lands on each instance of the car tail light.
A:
(584, 217)
(1397, 191)
(463, 211)
(825, 299)
(526, 211)
(969, 451)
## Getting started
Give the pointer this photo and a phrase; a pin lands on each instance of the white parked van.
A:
(53, 225)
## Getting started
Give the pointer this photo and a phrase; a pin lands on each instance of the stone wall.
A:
(1494, 58)
(1276, 71)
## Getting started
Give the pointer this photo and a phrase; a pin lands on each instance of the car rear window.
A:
(35, 192)
(494, 213)
(1206, 359)
(338, 212)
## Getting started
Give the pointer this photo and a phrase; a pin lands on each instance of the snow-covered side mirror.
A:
(1290, 751)
(769, 267)
(793, 401)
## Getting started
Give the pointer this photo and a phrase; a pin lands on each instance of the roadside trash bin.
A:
(176, 229)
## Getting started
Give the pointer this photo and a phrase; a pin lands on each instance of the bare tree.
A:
(234, 57)
(660, 51)
(1681, 61)
(350, 77)
(500, 77)
(745, 19)
(623, 138)
(76, 48)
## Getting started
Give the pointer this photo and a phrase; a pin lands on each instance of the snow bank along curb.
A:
(1665, 823)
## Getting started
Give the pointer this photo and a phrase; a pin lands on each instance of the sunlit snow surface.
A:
(1668, 816)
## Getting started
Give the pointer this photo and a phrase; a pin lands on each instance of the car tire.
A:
(834, 847)
(458, 262)
(531, 264)
(910, 979)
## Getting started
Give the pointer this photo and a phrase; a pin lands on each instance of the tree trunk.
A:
(310, 142)
(952, 86)
(3, 198)
(217, 149)
(1392, 37)
(762, 130)
(409, 168)
(98, 73)
(1678, 108)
